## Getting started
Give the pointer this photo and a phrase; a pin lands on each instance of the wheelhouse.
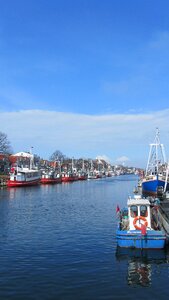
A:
(138, 213)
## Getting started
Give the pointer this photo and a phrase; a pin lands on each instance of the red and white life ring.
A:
(137, 219)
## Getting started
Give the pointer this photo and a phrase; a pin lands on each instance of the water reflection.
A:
(140, 263)
(16, 192)
(139, 273)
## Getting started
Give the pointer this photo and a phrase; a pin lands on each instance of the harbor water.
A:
(59, 242)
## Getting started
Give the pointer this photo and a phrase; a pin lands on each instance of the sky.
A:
(86, 77)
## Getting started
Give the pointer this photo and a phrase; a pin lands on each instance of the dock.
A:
(3, 181)
(163, 217)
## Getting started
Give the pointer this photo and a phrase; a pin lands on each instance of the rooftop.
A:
(137, 200)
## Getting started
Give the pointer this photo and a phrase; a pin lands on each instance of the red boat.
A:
(82, 176)
(51, 180)
(23, 177)
(22, 174)
(50, 177)
(67, 177)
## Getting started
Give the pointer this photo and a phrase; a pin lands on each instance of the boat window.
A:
(134, 211)
(143, 211)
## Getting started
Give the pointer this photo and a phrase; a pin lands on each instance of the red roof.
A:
(12, 158)
(2, 156)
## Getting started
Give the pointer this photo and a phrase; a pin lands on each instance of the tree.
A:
(36, 159)
(5, 146)
(57, 155)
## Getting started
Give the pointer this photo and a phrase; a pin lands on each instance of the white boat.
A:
(92, 175)
(21, 175)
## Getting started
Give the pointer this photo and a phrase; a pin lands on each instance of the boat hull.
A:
(82, 177)
(151, 186)
(11, 183)
(139, 254)
(134, 239)
(69, 179)
(51, 180)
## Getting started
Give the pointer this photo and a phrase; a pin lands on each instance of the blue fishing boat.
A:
(136, 228)
(156, 175)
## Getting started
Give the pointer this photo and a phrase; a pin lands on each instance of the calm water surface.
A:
(58, 242)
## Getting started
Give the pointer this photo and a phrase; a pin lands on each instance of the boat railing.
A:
(149, 177)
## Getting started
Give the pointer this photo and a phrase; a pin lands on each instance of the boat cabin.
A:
(137, 215)
(24, 174)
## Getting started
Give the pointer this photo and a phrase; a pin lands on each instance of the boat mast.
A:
(72, 165)
(59, 165)
(31, 159)
(83, 165)
(91, 165)
(156, 155)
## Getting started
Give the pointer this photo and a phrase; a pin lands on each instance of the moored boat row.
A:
(26, 175)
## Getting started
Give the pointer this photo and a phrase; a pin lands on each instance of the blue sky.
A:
(87, 77)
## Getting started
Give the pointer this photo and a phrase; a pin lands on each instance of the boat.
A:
(92, 175)
(136, 228)
(136, 190)
(156, 175)
(69, 176)
(24, 175)
(151, 255)
(139, 185)
(99, 174)
(82, 175)
(100, 169)
(50, 177)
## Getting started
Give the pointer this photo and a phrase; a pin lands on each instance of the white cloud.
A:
(122, 159)
(79, 135)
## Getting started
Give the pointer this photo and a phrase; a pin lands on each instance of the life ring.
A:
(139, 218)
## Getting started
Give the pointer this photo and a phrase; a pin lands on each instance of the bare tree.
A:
(5, 146)
(57, 155)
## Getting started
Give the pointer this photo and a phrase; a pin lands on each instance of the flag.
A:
(117, 209)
